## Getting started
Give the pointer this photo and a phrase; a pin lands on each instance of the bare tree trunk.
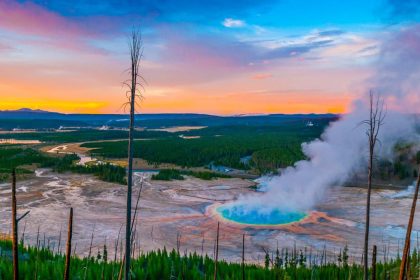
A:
(134, 221)
(366, 244)
(90, 253)
(59, 243)
(374, 262)
(178, 242)
(22, 238)
(135, 45)
(14, 229)
(406, 251)
(217, 252)
(37, 239)
(202, 245)
(243, 256)
(375, 121)
(129, 190)
(68, 247)
(120, 273)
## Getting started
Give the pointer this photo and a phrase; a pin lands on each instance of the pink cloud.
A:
(50, 28)
(187, 58)
(262, 76)
(31, 19)
(182, 42)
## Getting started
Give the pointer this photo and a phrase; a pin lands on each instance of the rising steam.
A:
(343, 147)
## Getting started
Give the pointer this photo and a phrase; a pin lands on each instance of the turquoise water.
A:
(241, 214)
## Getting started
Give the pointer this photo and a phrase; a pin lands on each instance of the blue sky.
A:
(221, 57)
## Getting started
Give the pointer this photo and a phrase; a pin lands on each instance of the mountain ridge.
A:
(250, 115)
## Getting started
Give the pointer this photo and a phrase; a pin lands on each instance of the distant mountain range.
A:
(25, 111)
(28, 110)
(24, 117)
(37, 114)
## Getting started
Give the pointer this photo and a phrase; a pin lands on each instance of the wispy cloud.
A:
(331, 32)
(208, 57)
(299, 49)
(233, 23)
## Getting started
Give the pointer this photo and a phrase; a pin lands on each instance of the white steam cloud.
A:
(343, 147)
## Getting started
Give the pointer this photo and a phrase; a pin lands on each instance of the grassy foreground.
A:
(42, 263)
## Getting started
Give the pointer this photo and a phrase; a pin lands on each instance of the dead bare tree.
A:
(217, 252)
(202, 245)
(59, 242)
(178, 241)
(406, 252)
(133, 85)
(374, 262)
(14, 229)
(136, 208)
(68, 247)
(243, 256)
(374, 123)
(90, 252)
(22, 238)
(116, 243)
(116, 249)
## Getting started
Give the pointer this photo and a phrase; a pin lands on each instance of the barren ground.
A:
(182, 207)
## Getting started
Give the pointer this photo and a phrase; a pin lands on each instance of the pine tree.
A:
(105, 254)
(98, 256)
(302, 259)
(267, 260)
(278, 260)
(345, 256)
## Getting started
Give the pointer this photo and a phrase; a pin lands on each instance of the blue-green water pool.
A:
(244, 215)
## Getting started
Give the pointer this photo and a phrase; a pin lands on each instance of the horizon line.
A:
(41, 111)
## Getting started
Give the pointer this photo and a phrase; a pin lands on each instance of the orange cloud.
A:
(247, 103)
(262, 76)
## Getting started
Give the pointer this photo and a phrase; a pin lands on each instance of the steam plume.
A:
(342, 147)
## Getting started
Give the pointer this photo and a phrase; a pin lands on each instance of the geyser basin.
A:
(241, 214)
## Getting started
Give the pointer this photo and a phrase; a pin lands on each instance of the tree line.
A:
(22, 160)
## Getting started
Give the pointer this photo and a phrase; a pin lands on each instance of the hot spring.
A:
(240, 213)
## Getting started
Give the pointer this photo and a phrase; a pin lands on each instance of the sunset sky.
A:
(217, 57)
